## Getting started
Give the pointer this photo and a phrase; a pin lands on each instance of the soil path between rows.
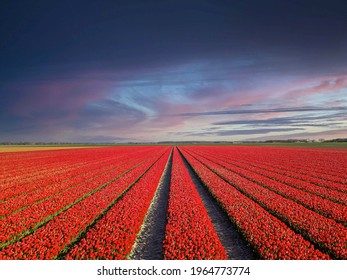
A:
(235, 245)
(149, 242)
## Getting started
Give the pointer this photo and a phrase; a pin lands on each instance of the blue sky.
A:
(120, 71)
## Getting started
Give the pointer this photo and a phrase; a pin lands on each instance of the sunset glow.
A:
(172, 71)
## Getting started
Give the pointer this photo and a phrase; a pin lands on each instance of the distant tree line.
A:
(336, 140)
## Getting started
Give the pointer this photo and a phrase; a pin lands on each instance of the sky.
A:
(192, 70)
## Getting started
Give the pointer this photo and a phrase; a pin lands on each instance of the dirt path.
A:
(149, 242)
(233, 242)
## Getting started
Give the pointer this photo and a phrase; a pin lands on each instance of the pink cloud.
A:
(324, 85)
(283, 94)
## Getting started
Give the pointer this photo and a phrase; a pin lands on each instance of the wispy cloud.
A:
(325, 86)
(236, 132)
(319, 121)
(263, 111)
(103, 139)
(146, 104)
(328, 134)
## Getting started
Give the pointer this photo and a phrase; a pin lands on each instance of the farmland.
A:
(168, 202)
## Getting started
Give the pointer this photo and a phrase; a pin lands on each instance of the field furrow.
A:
(48, 240)
(69, 181)
(14, 226)
(163, 202)
(324, 233)
(270, 237)
(189, 231)
(337, 196)
(113, 236)
(309, 200)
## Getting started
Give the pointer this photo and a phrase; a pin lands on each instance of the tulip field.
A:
(93, 203)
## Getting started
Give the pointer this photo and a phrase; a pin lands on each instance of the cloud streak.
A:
(157, 70)
(237, 132)
(319, 121)
(263, 111)
(333, 84)
(328, 134)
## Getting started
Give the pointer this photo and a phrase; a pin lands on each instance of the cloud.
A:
(236, 132)
(318, 121)
(263, 111)
(106, 113)
(147, 103)
(103, 139)
(332, 84)
(328, 134)
(65, 109)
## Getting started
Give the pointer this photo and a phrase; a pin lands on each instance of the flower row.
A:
(62, 183)
(325, 207)
(113, 236)
(65, 165)
(189, 231)
(15, 224)
(321, 167)
(268, 235)
(236, 161)
(56, 234)
(324, 232)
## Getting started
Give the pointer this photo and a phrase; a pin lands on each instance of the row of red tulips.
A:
(319, 163)
(26, 166)
(21, 179)
(23, 168)
(113, 236)
(61, 230)
(189, 231)
(324, 232)
(90, 204)
(268, 235)
(302, 176)
(69, 180)
(318, 166)
(13, 226)
(306, 175)
(325, 207)
(335, 194)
